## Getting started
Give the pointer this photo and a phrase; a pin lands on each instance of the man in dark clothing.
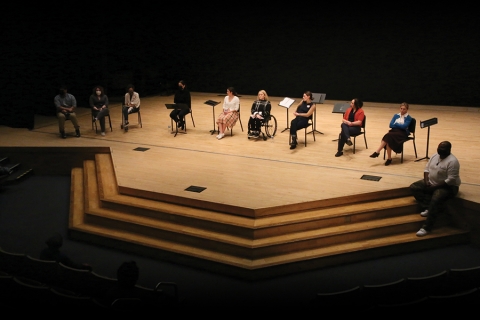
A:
(181, 96)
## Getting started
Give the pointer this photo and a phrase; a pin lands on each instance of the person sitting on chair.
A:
(302, 114)
(182, 95)
(229, 115)
(66, 105)
(99, 105)
(351, 124)
(131, 104)
(398, 134)
(260, 109)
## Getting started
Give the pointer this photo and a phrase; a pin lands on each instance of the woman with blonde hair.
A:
(398, 134)
(260, 109)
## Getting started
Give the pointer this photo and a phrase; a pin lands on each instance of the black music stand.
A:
(340, 107)
(425, 124)
(286, 103)
(212, 104)
(320, 99)
(177, 106)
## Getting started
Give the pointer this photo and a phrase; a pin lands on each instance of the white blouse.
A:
(233, 105)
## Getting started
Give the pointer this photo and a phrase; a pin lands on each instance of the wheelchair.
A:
(269, 127)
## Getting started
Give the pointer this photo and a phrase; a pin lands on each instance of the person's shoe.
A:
(256, 135)
(339, 153)
(374, 155)
(63, 135)
(94, 119)
(220, 136)
(77, 133)
(422, 232)
(349, 142)
(250, 134)
(387, 163)
(293, 146)
(103, 133)
(424, 213)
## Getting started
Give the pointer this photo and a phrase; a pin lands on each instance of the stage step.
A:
(243, 246)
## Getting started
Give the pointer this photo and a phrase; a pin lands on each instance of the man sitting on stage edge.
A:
(440, 182)
(65, 103)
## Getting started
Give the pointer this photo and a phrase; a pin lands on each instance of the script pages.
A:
(286, 102)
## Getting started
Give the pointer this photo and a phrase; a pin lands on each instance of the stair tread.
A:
(287, 218)
(273, 260)
(254, 243)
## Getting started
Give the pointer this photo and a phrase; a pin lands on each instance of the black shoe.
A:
(374, 155)
(77, 133)
(349, 142)
(94, 119)
(293, 146)
(387, 163)
(63, 135)
(339, 153)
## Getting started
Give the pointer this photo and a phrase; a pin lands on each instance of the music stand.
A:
(424, 124)
(177, 106)
(286, 103)
(320, 99)
(340, 107)
(212, 104)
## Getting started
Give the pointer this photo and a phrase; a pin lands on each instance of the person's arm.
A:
(92, 102)
(106, 102)
(392, 122)
(135, 101)
(236, 104)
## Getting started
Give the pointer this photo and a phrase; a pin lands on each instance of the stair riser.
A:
(252, 233)
(252, 251)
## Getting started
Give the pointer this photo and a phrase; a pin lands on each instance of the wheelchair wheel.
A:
(271, 126)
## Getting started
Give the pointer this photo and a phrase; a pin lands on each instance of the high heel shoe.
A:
(374, 155)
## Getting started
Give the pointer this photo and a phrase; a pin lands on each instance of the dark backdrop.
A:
(422, 55)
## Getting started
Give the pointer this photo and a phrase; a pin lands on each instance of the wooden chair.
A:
(411, 137)
(362, 132)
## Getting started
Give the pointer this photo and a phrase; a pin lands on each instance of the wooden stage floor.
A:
(256, 173)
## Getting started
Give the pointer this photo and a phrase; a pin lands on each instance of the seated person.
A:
(260, 110)
(181, 96)
(99, 104)
(351, 124)
(131, 104)
(52, 253)
(303, 113)
(229, 116)
(398, 134)
(66, 105)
